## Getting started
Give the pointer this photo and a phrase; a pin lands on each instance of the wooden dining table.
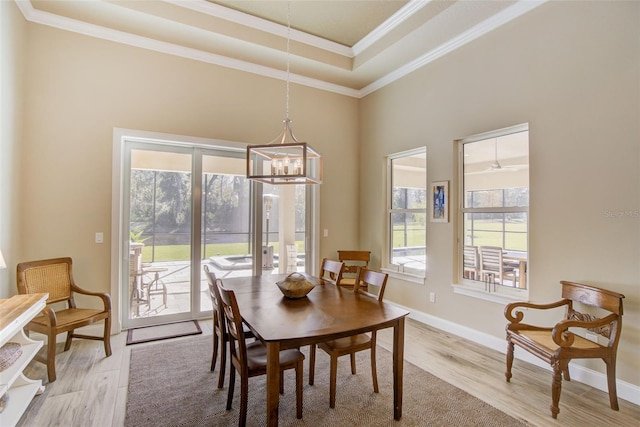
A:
(327, 312)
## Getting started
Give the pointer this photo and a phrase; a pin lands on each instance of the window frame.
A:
(397, 270)
(476, 288)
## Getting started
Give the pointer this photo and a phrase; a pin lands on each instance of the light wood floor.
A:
(91, 390)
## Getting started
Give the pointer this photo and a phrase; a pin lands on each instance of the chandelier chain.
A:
(288, 56)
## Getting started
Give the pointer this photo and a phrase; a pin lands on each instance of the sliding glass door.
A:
(186, 206)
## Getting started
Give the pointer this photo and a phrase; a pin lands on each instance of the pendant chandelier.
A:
(285, 160)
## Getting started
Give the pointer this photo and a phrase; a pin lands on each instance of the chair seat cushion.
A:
(257, 356)
(348, 342)
(545, 340)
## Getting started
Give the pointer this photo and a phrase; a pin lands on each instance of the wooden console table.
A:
(15, 313)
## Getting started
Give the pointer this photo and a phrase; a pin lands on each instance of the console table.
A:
(15, 313)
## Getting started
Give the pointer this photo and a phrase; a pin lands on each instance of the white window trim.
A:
(395, 270)
(472, 288)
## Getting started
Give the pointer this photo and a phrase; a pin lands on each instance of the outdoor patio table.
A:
(328, 312)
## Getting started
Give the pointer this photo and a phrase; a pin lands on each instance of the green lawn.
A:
(183, 252)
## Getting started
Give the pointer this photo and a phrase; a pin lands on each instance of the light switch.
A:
(99, 237)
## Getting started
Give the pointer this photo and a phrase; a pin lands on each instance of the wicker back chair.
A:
(55, 277)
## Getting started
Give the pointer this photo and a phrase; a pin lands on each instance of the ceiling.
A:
(351, 47)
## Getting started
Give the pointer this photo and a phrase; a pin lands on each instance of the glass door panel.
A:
(159, 218)
(226, 244)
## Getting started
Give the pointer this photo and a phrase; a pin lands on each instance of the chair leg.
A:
(507, 373)
(374, 374)
(312, 363)
(214, 357)
(299, 370)
(281, 381)
(67, 343)
(611, 382)
(51, 357)
(232, 383)
(556, 388)
(107, 336)
(222, 347)
(244, 398)
(332, 381)
(353, 363)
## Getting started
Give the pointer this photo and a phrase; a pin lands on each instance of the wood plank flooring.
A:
(91, 390)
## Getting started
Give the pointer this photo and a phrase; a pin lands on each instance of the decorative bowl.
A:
(295, 285)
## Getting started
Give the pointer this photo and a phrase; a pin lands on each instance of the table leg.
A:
(273, 382)
(398, 365)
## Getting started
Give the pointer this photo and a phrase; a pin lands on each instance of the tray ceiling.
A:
(352, 47)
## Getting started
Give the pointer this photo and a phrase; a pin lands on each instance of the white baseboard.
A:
(627, 391)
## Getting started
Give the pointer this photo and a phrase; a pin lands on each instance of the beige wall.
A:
(80, 88)
(572, 71)
(13, 39)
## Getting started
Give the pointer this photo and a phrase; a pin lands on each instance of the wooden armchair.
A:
(558, 345)
(352, 260)
(55, 277)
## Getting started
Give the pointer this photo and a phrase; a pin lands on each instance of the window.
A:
(407, 212)
(494, 211)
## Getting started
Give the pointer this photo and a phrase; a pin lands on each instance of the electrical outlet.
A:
(325, 232)
(432, 296)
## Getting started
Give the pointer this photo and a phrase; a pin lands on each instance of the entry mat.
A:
(163, 332)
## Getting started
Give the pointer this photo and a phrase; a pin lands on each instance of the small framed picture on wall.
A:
(440, 201)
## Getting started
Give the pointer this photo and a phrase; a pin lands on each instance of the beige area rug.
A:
(170, 384)
(163, 332)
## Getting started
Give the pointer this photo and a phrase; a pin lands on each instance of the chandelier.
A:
(285, 160)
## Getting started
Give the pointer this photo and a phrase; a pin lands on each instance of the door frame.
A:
(120, 257)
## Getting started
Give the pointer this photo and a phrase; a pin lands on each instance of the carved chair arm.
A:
(519, 315)
(564, 338)
(106, 298)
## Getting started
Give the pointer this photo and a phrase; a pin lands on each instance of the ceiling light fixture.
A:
(285, 160)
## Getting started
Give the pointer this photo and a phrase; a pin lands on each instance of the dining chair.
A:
(559, 344)
(352, 344)
(220, 333)
(331, 271)
(470, 262)
(55, 277)
(250, 359)
(352, 260)
(493, 268)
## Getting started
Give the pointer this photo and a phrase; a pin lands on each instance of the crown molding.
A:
(92, 30)
(508, 14)
(260, 24)
(392, 22)
(68, 24)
